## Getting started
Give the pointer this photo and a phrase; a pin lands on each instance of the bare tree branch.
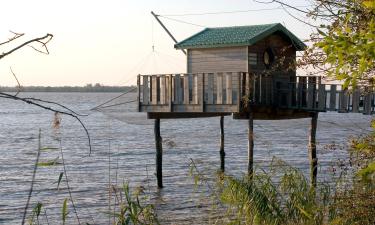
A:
(15, 36)
(18, 83)
(42, 40)
(32, 101)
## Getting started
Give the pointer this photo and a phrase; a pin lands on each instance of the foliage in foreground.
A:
(262, 200)
(131, 211)
(290, 199)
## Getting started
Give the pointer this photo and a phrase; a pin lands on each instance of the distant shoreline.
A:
(87, 88)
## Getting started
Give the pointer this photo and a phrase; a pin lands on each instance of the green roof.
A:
(236, 36)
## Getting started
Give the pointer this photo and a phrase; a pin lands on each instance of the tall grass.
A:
(261, 199)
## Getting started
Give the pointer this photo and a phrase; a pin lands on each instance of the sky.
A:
(110, 42)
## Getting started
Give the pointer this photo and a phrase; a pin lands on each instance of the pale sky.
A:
(110, 42)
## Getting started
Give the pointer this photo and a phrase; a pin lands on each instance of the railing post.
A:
(170, 93)
(146, 90)
(367, 102)
(355, 100)
(228, 91)
(201, 95)
(139, 92)
(332, 97)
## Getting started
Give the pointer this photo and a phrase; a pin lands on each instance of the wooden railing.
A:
(201, 92)
(230, 91)
(308, 93)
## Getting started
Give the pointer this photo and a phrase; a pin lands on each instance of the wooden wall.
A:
(285, 55)
(217, 60)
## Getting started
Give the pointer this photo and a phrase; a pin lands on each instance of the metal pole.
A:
(166, 30)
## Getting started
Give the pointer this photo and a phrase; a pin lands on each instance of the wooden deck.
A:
(223, 93)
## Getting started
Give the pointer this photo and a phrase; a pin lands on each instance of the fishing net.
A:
(124, 106)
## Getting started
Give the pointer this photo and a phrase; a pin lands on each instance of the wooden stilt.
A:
(159, 153)
(250, 150)
(222, 152)
(312, 149)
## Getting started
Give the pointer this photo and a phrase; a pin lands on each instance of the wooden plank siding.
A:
(206, 60)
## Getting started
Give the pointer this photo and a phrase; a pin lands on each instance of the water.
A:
(129, 147)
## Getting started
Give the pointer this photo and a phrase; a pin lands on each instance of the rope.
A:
(96, 107)
(121, 103)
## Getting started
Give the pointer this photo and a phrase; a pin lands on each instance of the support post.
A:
(222, 152)
(159, 153)
(250, 150)
(312, 149)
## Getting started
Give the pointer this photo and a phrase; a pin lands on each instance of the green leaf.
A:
(65, 210)
(60, 177)
(49, 148)
(49, 162)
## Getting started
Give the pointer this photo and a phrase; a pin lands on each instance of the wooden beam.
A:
(139, 92)
(343, 101)
(222, 152)
(250, 149)
(355, 100)
(228, 89)
(146, 90)
(312, 149)
(159, 153)
(332, 97)
(219, 88)
(186, 89)
(170, 92)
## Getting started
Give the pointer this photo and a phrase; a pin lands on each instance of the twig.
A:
(16, 35)
(18, 83)
(5, 95)
(67, 184)
(47, 37)
(33, 179)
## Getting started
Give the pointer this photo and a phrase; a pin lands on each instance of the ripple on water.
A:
(131, 149)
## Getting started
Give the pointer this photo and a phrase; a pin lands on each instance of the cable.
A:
(181, 21)
(114, 98)
(121, 103)
(229, 12)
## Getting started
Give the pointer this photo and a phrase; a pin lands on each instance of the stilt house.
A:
(248, 72)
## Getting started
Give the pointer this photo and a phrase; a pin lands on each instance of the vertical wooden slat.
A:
(146, 97)
(239, 91)
(332, 97)
(301, 92)
(219, 88)
(170, 92)
(163, 90)
(210, 88)
(139, 92)
(322, 97)
(154, 90)
(311, 89)
(367, 102)
(343, 101)
(228, 89)
(195, 89)
(186, 89)
(178, 89)
(201, 83)
(247, 79)
(355, 100)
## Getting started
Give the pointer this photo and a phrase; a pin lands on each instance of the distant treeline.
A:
(87, 88)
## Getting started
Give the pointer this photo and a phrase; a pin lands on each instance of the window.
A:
(253, 58)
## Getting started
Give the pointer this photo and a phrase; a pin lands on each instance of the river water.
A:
(123, 151)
